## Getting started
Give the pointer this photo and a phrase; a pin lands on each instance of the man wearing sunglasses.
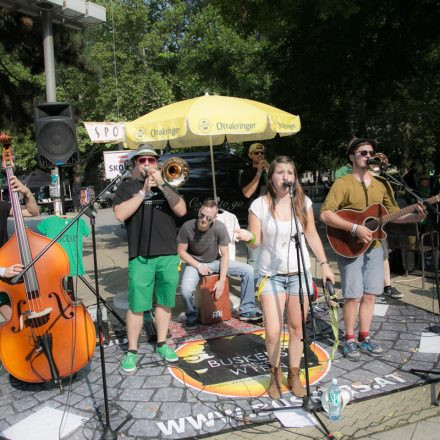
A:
(253, 182)
(253, 179)
(388, 289)
(149, 208)
(362, 277)
(203, 245)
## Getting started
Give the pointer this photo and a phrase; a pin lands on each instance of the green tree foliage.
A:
(350, 67)
(347, 67)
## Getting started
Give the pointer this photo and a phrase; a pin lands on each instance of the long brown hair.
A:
(300, 209)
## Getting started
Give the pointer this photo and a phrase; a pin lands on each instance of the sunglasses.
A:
(145, 159)
(258, 152)
(208, 217)
(364, 153)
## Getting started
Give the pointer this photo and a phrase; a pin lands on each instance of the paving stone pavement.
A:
(408, 414)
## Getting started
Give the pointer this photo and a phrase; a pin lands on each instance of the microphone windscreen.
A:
(373, 161)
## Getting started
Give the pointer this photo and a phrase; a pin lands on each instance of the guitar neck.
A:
(408, 209)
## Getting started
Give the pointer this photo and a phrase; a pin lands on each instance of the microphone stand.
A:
(308, 404)
(434, 212)
(109, 433)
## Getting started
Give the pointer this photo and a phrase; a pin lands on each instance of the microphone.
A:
(373, 161)
(125, 174)
(330, 287)
(288, 184)
(128, 165)
(291, 185)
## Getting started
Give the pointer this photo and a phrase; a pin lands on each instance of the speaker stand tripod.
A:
(434, 213)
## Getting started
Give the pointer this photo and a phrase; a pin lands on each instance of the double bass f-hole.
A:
(48, 337)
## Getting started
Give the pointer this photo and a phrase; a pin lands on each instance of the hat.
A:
(256, 146)
(357, 142)
(144, 150)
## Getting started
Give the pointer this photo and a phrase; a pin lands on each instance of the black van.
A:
(228, 171)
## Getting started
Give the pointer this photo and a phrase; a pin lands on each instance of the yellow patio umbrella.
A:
(210, 120)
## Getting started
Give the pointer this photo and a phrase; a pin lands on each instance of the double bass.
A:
(48, 337)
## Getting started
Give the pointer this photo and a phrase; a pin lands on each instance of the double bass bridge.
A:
(35, 319)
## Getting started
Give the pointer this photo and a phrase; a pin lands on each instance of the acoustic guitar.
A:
(375, 217)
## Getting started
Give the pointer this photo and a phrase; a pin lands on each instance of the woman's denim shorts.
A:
(285, 284)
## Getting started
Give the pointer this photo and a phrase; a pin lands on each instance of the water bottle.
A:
(334, 401)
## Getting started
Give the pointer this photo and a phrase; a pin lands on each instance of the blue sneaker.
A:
(253, 315)
(370, 347)
(351, 351)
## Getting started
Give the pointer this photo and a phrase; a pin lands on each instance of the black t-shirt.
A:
(5, 208)
(246, 178)
(203, 246)
(152, 228)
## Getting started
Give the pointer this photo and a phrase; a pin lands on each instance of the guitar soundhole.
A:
(372, 224)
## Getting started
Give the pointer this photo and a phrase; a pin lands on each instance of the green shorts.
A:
(4, 299)
(158, 275)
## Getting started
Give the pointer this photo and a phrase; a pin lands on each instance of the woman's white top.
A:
(278, 248)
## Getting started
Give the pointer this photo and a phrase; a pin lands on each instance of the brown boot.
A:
(276, 379)
(294, 384)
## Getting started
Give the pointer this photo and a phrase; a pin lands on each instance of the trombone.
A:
(175, 171)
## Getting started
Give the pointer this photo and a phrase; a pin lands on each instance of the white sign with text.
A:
(114, 162)
(105, 132)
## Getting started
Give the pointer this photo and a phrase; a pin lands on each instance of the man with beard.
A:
(149, 208)
(199, 242)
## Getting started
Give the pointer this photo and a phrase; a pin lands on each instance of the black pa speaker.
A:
(55, 134)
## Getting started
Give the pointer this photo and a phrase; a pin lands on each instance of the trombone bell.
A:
(175, 171)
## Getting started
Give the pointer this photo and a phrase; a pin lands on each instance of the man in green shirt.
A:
(343, 171)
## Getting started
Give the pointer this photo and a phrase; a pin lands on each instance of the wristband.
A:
(253, 239)
(2, 271)
(163, 184)
(324, 262)
(141, 193)
(353, 229)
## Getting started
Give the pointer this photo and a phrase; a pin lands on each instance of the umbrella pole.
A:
(211, 149)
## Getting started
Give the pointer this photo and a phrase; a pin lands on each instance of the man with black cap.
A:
(149, 208)
(253, 179)
(361, 277)
(388, 289)
(253, 182)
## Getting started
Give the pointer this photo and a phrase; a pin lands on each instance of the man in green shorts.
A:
(149, 208)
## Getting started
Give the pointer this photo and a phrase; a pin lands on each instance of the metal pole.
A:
(211, 150)
(51, 87)
(49, 58)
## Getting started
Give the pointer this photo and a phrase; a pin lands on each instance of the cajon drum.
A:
(210, 310)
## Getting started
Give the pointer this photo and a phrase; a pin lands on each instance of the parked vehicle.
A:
(106, 199)
(228, 171)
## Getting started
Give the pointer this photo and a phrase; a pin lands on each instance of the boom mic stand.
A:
(109, 433)
(434, 212)
(308, 404)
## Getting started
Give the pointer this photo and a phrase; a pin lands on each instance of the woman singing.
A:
(272, 228)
